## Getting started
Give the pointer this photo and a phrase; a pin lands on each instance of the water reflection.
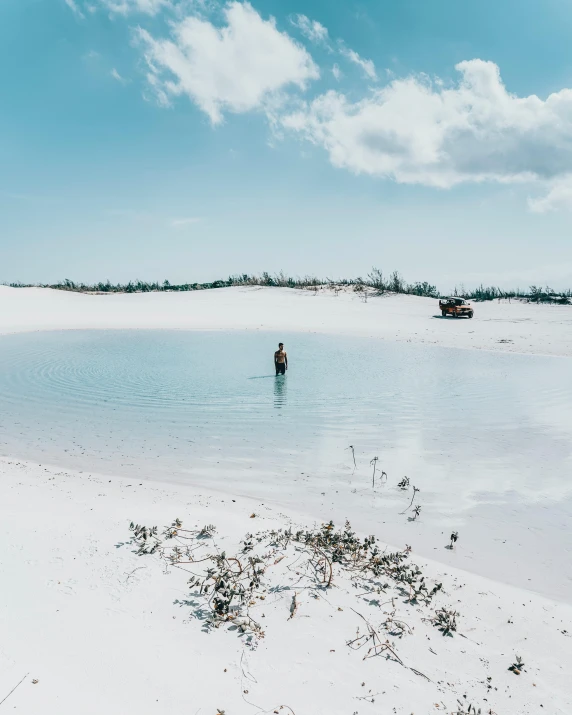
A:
(280, 391)
(460, 422)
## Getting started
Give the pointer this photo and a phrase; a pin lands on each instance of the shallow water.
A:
(191, 398)
(470, 429)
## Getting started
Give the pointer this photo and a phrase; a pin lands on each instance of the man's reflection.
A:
(279, 391)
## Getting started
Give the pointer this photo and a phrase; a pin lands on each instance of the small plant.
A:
(142, 532)
(172, 531)
(415, 490)
(207, 531)
(145, 537)
(416, 511)
(403, 484)
(353, 455)
(228, 587)
(372, 639)
(445, 620)
(518, 666)
(293, 607)
(463, 709)
(374, 462)
(396, 627)
(454, 537)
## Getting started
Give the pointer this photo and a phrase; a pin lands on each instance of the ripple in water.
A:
(180, 404)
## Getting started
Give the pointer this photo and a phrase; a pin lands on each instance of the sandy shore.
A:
(508, 327)
(103, 630)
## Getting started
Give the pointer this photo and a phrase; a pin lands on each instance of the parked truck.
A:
(456, 307)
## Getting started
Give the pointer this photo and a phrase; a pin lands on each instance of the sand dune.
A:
(508, 327)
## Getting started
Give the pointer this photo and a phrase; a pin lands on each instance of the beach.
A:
(103, 629)
(501, 326)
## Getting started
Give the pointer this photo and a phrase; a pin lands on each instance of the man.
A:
(280, 360)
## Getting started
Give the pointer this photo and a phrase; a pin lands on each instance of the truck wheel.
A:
(470, 314)
(444, 313)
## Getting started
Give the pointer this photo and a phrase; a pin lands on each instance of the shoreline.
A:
(513, 328)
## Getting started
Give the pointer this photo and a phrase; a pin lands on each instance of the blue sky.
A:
(188, 140)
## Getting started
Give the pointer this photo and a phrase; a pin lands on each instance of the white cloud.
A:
(157, 88)
(181, 222)
(235, 68)
(312, 29)
(367, 65)
(74, 7)
(115, 74)
(419, 131)
(559, 196)
(126, 7)
(336, 71)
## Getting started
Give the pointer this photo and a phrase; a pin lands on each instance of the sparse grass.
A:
(465, 709)
(376, 283)
(535, 294)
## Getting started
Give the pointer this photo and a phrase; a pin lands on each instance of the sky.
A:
(193, 139)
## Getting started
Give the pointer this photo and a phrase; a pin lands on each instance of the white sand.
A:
(106, 631)
(510, 327)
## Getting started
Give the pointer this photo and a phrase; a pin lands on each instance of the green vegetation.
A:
(535, 294)
(375, 283)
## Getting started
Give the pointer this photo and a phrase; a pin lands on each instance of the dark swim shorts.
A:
(280, 368)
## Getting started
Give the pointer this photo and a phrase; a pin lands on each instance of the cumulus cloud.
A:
(559, 196)
(415, 130)
(233, 68)
(312, 29)
(367, 66)
(126, 7)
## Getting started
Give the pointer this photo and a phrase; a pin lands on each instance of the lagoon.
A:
(486, 437)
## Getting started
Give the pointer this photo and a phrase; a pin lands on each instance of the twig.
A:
(239, 566)
(353, 455)
(368, 698)
(329, 564)
(415, 490)
(377, 647)
(132, 572)
(374, 461)
(14, 688)
(293, 607)
(418, 672)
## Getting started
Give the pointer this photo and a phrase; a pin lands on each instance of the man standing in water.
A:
(280, 360)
